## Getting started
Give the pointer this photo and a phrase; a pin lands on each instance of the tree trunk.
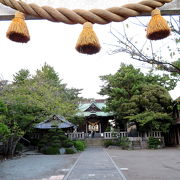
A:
(10, 146)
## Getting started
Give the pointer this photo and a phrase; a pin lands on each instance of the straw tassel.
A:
(157, 28)
(18, 30)
(88, 42)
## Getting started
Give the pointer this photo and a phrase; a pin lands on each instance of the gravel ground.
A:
(37, 167)
(162, 164)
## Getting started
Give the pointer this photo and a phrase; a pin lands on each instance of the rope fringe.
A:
(88, 42)
(18, 30)
(157, 28)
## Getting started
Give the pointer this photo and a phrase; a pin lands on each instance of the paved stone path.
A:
(94, 164)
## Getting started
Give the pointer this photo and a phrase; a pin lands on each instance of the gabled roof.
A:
(57, 120)
(93, 108)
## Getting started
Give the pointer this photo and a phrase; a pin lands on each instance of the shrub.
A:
(123, 142)
(52, 150)
(53, 141)
(108, 143)
(43, 150)
(62, 137)
(108, 129)
(56, 141)
(85, 145)
(153, 143)
(55, 138)
(79, 145)
(58, 145)
(67, 143)
(70, 151)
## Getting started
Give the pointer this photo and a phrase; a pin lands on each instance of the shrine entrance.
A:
(95, 119)
(93, 126)
(93, 129)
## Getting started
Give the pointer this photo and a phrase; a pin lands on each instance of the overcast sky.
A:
(54, 43)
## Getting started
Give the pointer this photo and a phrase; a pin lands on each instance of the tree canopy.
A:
(30, 99)
(144, 99)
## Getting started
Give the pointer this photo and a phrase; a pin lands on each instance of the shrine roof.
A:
(100, 114)
(93, 108)
(57, 120)
(85, 106)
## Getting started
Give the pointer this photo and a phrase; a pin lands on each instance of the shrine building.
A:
(95, 118)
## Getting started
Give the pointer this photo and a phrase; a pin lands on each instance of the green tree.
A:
(47, 73)
(153, 108)
(133, 96)
(21, 76)
(30, 99)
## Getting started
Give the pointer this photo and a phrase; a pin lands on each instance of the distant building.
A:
(95, 118)
(55, 121)
(173, 137)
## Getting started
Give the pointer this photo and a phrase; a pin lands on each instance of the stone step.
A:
(136, 145)
(94, 142)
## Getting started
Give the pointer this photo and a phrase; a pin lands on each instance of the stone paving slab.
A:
(94, 164)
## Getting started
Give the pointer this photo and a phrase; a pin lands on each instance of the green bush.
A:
(70, 151)
(53, 141)
(153, 143)
(108, 129)
(55, 138)
(108, 143)
(52, 150)
(67, 143)
(56, 141)
(62, 137)
(85, 145)
(58, 145)
(79, 145)
(123, 142)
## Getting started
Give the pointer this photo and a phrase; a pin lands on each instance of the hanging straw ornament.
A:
(157, 28)
(88, 42)
(18, 30)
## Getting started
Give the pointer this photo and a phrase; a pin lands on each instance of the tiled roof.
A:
(100, 105)
(86, 114)
(57, 120)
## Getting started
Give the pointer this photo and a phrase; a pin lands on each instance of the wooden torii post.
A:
(7, 13)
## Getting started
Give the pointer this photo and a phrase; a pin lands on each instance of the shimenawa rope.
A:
(80, 16)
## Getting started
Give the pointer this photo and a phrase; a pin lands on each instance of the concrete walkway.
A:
(94, 164)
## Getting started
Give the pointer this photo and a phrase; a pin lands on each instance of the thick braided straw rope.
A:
(99, 16)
